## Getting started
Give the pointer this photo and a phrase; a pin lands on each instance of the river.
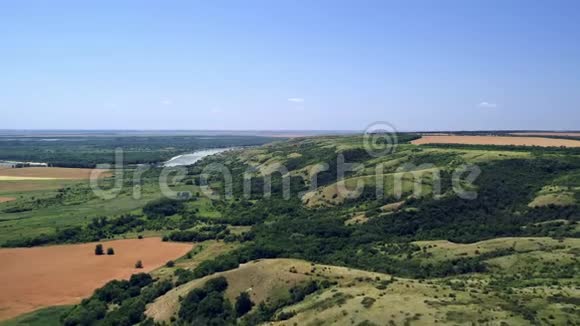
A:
(189, 159)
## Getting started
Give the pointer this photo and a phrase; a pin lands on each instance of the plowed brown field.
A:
(32, 278)
(497, 140)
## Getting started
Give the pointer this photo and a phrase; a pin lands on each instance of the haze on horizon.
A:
(303, 65)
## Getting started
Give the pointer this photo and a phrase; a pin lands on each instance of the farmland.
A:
(42, 173)
(548, 133)
(58, 275)
(497, 140)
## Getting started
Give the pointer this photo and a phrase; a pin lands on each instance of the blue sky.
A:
(420, 65)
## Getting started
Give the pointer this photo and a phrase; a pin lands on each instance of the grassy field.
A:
(441, 250)
(43, 317)
(47, 219)
(200, 252)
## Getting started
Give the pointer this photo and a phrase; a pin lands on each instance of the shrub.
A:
(170, 263)
(163, 207)
(367, 302)
(110, 251)
(243, 304)
(139, 264)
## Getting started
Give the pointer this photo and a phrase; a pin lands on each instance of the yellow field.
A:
(17, 186)
(11, 178)
(42, 173)
(497, 140)
(548, 133)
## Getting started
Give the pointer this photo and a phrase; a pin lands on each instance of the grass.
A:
(442, 250)
(554, 195)
(43, 317)
(12, 187)
(360, 296)
(46, 220)
(418, 183)
(200, 252)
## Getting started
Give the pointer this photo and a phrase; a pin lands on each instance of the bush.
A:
(110, 251)
(170, 263)
(163, 207)
(207, 305)
(243, 304)
(139, 264)
(99, 250)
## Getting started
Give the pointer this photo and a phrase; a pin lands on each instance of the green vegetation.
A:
(99, 250)
(50, 316)
(207, 305)
(129, 298)
(509, 254)
(243, 304)
(87, 150)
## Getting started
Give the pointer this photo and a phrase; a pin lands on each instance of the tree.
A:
(243, 304)
(99, 250)
(110, 251)
(170, 263)
(139, 264)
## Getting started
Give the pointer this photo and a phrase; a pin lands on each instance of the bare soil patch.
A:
(6, 199)
(497, 140)
(52, 173)
(32, 278)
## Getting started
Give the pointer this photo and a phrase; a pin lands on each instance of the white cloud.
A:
(215, 110)
(296, 100)
(488, 105)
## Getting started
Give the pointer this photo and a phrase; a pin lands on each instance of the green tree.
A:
(110, 251)
(99, 250)
(243, 304)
